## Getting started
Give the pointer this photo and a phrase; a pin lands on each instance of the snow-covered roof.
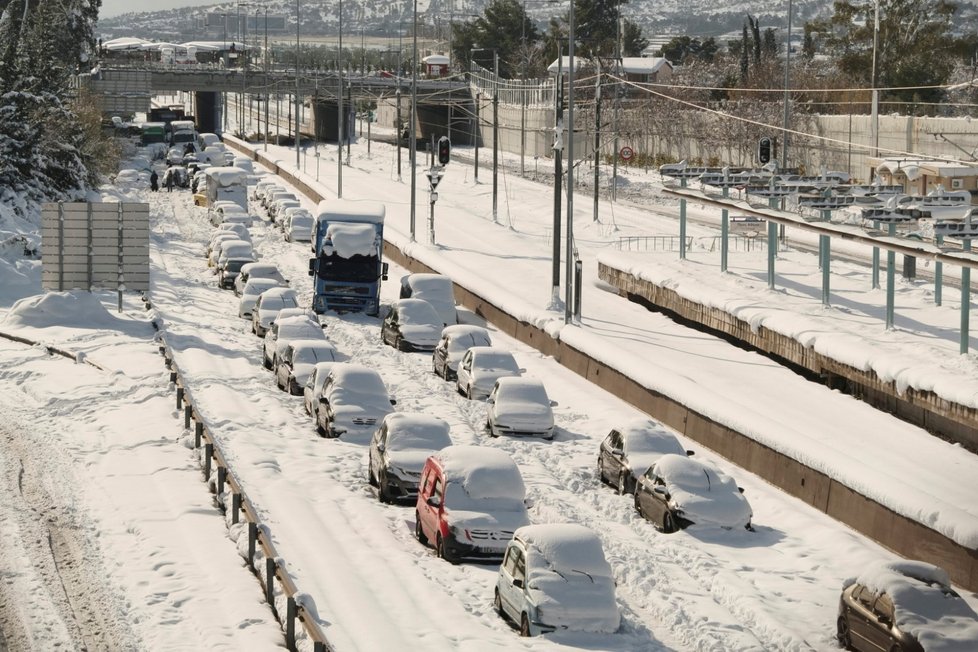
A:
(483, 472)
(226, 176)
(567, 547)
(436, 60)
(644, 65)
(342, 210)
(914, 168)
(579, 63)
(348, 240)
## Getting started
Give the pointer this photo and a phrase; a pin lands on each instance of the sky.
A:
(112, 8)
(100, 450)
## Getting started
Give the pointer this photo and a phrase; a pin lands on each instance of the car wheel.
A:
(319, 428)
(524, 625)
(622, 483)
(278, 382)
(266, 362)
(399, 344)
(842, 634)
(638, 505)
(418, 530)
(497, 603)
(434, 368)
(490, 430)
(668, 523)
(371, 478)
(383, 493)
(468, 392)
(294, 387)
(442, 551)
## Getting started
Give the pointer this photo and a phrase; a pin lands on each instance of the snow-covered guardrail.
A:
(270, 569)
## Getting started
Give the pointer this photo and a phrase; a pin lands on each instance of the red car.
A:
(470, 501)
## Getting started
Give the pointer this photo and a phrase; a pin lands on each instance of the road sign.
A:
(626, 153)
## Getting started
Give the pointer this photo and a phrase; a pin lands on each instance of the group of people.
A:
(169, 180)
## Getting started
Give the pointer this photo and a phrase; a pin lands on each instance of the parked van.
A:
(226, 183)
(470, 502)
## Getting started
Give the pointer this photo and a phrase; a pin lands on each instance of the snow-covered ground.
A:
(118, 473)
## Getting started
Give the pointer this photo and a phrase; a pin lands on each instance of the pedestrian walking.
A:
(168, 179)
(154, 180)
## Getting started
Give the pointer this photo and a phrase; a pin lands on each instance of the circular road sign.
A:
(626, 153)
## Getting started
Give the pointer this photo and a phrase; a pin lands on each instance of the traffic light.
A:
(764, 147)
(444, 150)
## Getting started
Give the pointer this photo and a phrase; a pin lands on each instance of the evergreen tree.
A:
(503, 27)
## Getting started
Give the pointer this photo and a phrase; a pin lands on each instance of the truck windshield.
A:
(356, 269)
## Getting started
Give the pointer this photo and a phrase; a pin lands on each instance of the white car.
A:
(258, 270)
(411, 325)
(436, 289)
(520, 406)
(273, 196)
(267, 306)
(277, 210)
(313, 388)
(251, 291)
(454, 342)
(221, 244)
(240, 229)
(398, 451)
(480, 368)
(555, 577)
(354, 400)
(298, 225)
(238, 249)
(297, 360)
(628, 451)
(285, 329)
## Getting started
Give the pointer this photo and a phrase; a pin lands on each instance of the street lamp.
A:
(568, 276)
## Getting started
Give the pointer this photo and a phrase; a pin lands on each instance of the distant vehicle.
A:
(313, 388)
(258, 270)
(239, 249)
(250, 293)
(183, 132)
(277, 210)
(677, 492)
(207, 139)
(244, 163)
(228, 268)
(519, 406)
(398, 450)
(470, 502)
(264, 187)
(238, 229)
(455, 340)
(480, 368)
(286, 328)
(152, 132)
(267, 307)
(436, 289)
(227, 183)
(907, 606)
(347, 269)
(272, 196)
(297, 360)
(628, 451)
(220, 244)
(411, 325)
(555, 576)
(354, 400)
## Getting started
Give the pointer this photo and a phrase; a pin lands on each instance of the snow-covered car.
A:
(480, 368)
(298, 225)
(240, 229)
(555, 577)
(129, 179)
(436, 289)
(239, 249)
(411, 325)
(296, 362)
(221, 244)
(258, 270)
(244, 163)
(519, 406)
(677, 492)
(266, 309)
(285, 328)
(455, 340)
(627, 452)
(470, 502)
(222, 213)
(220, 236)
(273, 196)
(277, 210)
(228, 269)
(313, 388)
(398, 451)
(904, 605)
(251, 291)
(259, 189)
(353, 401)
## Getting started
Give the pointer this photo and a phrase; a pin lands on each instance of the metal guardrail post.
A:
(290, 616)
(270, 583)
(187, 411)
(222, 475)
(179, 397)
(208, 453)
(252, 540)
(235, 507)
(198, 433)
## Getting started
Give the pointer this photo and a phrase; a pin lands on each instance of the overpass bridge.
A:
(445, 107)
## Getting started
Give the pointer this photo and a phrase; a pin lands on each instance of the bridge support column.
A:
(209, 111)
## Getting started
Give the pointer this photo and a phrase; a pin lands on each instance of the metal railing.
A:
(702, 243)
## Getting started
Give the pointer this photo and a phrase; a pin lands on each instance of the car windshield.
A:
(257, 286)
(494, 360)
(467, 341)
(416, 312)
(276, 303)
(423, 436)
(458, 499)
(523, 393)
(313, 354)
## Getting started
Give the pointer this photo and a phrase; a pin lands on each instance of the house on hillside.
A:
(646, 70)
(435, 65)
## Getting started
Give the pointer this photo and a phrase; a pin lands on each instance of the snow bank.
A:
(62, 308)
(483, 472)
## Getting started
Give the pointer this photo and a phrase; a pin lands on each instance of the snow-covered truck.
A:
(227, 183)
(347, 268)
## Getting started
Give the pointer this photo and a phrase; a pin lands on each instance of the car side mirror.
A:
(690, 453)
(312, 266)
(522, 371)
(393, 401)
(518, 583)
(490, 400)
(383, 271)
(381, 448)
(433, 501)
(661, 491)
(740, 489)
(553, 403)
(884, 620)
(617, 452)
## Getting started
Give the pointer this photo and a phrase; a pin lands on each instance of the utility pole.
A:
(297, 99)
(597, 139)
(495, 136)
(339, 111)
(414, 104)
(558, 175)
(568, 278)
